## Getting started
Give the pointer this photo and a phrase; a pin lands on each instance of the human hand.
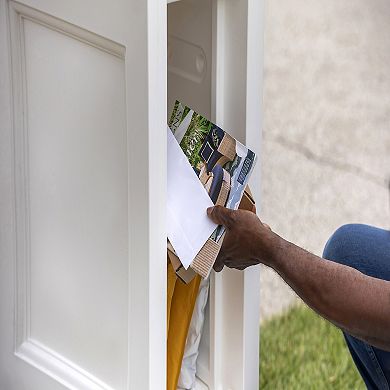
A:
(245, 240)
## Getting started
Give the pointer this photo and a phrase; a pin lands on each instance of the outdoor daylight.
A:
(194, 195)
(325, 163)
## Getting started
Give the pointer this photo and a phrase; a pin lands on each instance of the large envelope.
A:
(189, 227)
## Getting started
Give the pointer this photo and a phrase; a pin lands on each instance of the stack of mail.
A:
(206, 166)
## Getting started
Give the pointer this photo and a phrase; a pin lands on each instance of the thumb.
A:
(221, 215)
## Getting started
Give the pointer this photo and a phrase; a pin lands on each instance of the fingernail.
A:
(209, 210)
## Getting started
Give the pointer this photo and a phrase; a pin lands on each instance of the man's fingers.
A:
(218, 265)
(221, 215)
(219, 262)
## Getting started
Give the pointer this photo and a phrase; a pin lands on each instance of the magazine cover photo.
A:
(222, 164)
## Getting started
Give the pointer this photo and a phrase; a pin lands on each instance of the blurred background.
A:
(326, 134)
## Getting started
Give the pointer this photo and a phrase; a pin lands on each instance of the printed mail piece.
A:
(189, 227)
(222, 164)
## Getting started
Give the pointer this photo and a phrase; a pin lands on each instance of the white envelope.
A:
(189, 227)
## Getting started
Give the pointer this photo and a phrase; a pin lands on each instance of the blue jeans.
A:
(367, 249)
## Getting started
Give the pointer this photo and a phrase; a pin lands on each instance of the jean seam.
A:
(377, 366)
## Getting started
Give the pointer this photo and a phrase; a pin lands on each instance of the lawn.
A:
(300, 350)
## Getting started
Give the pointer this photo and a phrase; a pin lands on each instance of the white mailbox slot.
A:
(210, 68)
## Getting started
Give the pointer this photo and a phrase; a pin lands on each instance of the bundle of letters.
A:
(223, 166)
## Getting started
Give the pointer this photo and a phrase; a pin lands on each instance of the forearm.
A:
(351, 300)
(355, 302)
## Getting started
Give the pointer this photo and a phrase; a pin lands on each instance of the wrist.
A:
(271, 248)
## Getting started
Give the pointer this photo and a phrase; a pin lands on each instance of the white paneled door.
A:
(82, 202)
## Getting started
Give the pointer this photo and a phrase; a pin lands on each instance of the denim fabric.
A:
(366, 249)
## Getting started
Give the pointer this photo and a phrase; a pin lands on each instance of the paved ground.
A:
(326, 149)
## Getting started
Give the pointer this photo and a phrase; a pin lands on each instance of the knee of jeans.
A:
(340, 242)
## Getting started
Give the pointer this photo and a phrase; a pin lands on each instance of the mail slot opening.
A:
(190, 69)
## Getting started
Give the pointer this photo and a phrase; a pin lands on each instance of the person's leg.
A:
(366, 249)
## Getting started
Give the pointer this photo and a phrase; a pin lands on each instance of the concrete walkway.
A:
(326, 143)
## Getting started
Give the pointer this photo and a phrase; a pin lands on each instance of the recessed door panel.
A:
(77, 200)
(76, 245)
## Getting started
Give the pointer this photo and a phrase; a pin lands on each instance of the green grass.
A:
(300, 350)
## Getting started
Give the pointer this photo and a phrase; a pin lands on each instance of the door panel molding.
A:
(18, 12)
(59, 368)
(26, 348)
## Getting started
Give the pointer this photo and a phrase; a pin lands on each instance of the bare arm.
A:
(357, 303)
